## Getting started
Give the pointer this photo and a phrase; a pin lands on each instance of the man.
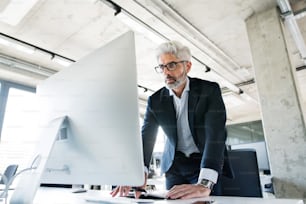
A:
(192, 114)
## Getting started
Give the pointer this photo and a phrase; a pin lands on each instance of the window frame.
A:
(4, 91)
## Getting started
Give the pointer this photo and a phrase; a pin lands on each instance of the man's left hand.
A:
(186, 191)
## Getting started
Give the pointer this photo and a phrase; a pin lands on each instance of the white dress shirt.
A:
(185, 141)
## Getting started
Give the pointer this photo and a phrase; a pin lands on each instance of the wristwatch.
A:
(206, 183)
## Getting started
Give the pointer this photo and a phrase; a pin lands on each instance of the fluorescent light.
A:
(135, 23)
(139, 27)
(13, 63)
(23, 47)
(232, 100)
(247, 97)
(62, 61)
(31, 49)
(231, 86)
(43, 54)
(4, 40)
(223, 82)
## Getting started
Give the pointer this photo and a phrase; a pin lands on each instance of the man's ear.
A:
(188, 66)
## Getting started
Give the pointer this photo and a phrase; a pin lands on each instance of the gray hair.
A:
(180, 51)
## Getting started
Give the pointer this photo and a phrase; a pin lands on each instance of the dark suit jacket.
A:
(206, 115)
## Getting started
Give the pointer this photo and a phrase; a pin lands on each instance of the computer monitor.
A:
(94, 135)
(261, 154)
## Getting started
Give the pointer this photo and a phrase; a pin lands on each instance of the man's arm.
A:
(215, 132)
(149, 133)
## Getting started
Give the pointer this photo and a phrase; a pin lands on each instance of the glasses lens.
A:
(171, 65)
(159, 68)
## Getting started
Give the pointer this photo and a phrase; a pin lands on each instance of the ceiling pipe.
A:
(290, 22)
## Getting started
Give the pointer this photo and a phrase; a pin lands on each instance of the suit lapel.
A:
(169, 115)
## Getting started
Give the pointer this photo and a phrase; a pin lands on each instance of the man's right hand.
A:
(123, 191)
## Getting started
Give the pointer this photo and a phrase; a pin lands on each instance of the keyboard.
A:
(117, 200)
(144, 198)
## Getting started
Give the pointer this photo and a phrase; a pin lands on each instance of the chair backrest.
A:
(246, 182)
(9, 172)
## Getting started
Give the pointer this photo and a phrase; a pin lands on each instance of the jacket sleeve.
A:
(149, 133)
(215, 132)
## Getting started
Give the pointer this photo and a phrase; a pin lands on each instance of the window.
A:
(18, 134)
(245, 133)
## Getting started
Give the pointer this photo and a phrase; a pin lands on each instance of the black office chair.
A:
(9, 172)
(246, 182)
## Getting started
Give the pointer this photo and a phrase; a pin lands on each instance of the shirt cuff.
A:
(208, 174)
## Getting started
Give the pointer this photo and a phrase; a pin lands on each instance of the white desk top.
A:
(64, 196)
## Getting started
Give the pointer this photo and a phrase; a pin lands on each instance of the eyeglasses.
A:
(170, 66)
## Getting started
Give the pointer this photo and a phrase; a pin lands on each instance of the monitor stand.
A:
(30, 178)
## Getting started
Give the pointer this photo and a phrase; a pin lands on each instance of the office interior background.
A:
(254, 49)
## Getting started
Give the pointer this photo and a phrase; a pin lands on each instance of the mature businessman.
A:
(192, 114)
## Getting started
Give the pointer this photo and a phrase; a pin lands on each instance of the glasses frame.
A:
(160, 68)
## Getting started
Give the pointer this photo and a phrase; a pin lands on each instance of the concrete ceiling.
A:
(215, 31)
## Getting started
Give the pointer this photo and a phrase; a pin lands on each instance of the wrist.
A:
(206, 183)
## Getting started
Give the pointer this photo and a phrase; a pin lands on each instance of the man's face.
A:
(177, 77)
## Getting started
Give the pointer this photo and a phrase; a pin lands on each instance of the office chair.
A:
(246, 182)
(9, 172)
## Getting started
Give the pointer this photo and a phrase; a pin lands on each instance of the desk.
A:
(64, 196)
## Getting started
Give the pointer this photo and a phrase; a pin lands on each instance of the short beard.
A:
(178, 82)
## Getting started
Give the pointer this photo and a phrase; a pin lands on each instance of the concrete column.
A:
(282, 118)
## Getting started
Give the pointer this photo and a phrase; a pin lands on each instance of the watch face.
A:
(207, 183)
(204, 182)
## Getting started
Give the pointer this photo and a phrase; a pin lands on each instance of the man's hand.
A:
(186, 191)
(124, 190)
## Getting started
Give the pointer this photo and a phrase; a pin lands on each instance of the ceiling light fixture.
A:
(7, 41)
(61, 60)
(247, 97)
(211, 53)
(4, 40)
(137, 25)
(134, 23)
(190, 31)
(23, 66)
(23, 47)
(140, 26)
(232, 99)
(32, 49)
